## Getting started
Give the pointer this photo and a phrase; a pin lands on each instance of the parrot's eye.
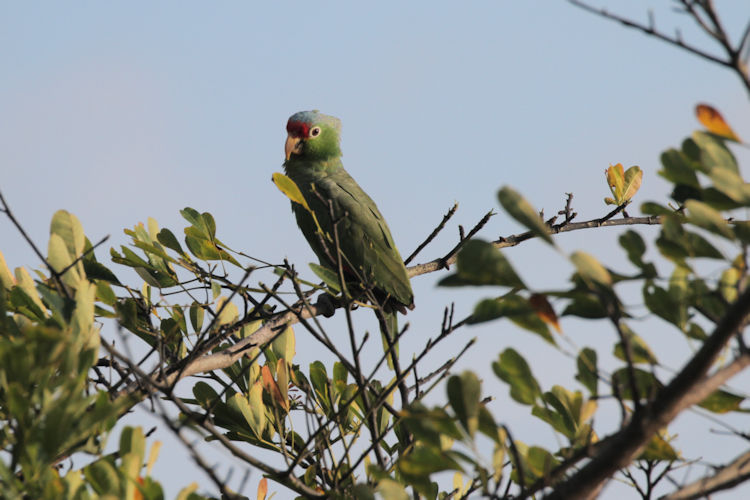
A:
(315, 132)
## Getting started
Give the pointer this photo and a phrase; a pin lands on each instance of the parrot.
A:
(368, 253)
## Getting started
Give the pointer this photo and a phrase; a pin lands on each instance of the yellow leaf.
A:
(291, 191)
(6, 279)
(289, 188)
(616, 179)
(714, 122)
(544, 310)
(633, 178)
(152, 456)
(591, 269)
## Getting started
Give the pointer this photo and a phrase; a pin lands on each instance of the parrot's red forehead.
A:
(297, 128)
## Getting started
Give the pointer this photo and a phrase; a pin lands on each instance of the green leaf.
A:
(319, 380)
(668, 305)
(659, 449)
(587, 370)
(328, 275)
(513, 370)
(706, 217)
(96, 270)
(639, 350)
(678, 168)
(464, 392)
(722, 402)
(196, 316)
(585, 305)
(712, 152)
(428, 425)
(731, 185)
(205, 394)
(517, 309)
(634, 245)
(651, 208)
(426, 460)
(102, 476)
(646, 383)
(522, 211)
(480, 263)
(169, 240)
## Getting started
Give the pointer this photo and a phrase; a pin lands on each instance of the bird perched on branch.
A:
(369, 256)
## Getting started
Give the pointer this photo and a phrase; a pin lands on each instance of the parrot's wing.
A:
(364, 237)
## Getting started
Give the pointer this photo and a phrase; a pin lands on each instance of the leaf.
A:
(522, 211)
(514, 307)
(425, 460)
(291, 191)
(633, 179)
(615, 175)
(659, 449)
(464, 392)
(480, 263)
(196, 316)
(678, 168)
(623, 184)
(714, 122)
(262, 489)
(639, 350)
(709, 219)
(722, 402)
(544, 310)
(169, 240)
(587, 370)
(731, 185)
(590, 269)
(6, 278)
(586, 305)
(328, 275)
(229, 312)
(710, 151)
(284, 344)
(69, 229)
(513, 370)
(392, 490)
(59, 258)
(646, 383)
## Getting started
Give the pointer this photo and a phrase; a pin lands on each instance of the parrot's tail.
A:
(389, 331)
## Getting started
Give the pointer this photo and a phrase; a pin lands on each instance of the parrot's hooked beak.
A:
(293, 145)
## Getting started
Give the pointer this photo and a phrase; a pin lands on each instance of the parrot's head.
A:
(312, 136)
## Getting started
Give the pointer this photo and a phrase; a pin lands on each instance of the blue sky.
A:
(118, 112)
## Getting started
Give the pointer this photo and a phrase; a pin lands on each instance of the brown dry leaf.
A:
(714, 122)
(544, 310)
(269, 384)
(262, 489)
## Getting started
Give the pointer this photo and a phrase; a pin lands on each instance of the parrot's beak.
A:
(293, 145)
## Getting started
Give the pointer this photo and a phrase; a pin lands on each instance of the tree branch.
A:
(689, 387)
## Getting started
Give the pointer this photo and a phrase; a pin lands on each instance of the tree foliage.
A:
(351, 425)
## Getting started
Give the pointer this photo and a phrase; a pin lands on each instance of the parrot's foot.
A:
(326, 305)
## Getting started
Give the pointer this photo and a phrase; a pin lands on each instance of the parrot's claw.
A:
(326, 305)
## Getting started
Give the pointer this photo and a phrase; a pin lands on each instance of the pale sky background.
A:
(118, 112)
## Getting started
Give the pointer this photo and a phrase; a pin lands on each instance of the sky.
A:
(120, 111)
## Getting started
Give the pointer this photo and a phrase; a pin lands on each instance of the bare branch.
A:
(729, 476)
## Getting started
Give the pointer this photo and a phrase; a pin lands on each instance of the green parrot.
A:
(369, 255)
